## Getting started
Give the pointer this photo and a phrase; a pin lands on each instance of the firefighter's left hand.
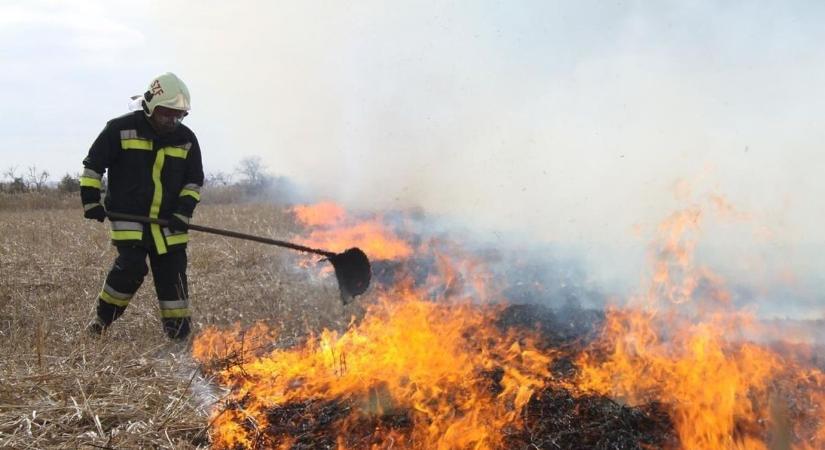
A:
(178, 222)
(95, 213)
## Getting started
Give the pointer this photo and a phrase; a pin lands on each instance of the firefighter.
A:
(154, 165)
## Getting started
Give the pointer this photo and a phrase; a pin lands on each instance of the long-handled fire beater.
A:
(352, 267)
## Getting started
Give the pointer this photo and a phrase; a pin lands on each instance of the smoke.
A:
(542, 120)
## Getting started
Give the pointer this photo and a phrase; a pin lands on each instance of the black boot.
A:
(96, 328)
(178, 328)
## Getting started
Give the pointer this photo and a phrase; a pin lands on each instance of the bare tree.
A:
(69, 183)
(16, 183)
(254, 173)
(37, 180)
(218, 179)
(10, 173)
(252, 169)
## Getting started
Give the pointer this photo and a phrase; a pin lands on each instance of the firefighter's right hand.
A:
(95, 213)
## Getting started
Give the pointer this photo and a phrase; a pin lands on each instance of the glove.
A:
(96, 213)
(178, 222)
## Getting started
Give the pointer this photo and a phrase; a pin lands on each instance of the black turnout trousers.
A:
(126, 276)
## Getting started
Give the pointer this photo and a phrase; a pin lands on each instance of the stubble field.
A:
(60, 388)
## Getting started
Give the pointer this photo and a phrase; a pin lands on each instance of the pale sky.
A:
(570, 122)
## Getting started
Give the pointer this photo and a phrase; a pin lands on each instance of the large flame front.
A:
(431, 364)
(674, 345)
(423, 371)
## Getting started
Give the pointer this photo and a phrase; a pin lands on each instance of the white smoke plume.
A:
(578, 123)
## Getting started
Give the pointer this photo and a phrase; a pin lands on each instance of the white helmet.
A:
(166, 90)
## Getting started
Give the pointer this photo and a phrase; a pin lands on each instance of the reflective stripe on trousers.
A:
(127, 274)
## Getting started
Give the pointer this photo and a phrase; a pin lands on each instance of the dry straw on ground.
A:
(60, 388)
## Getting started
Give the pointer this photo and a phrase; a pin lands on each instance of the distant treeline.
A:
(34, 188)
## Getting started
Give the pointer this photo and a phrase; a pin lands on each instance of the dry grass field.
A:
(60, 388)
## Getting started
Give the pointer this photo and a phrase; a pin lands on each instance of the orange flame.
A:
(679, 343)
(324, 213)
(407, 354)
(332, 230)
(371, 237)
(708, 384)
(676, 349)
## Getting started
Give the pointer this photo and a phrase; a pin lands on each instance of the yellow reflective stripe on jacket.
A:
(108, 298)
(154, 210)
(89, 173)
(136, 144)
(126, 231)
(174, 313)
(90, 182)
(124, 225)
(194, 194)
(175, 152)
(126, 235)
(176, 239)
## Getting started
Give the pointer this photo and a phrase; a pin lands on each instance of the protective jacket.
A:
(149, 175)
